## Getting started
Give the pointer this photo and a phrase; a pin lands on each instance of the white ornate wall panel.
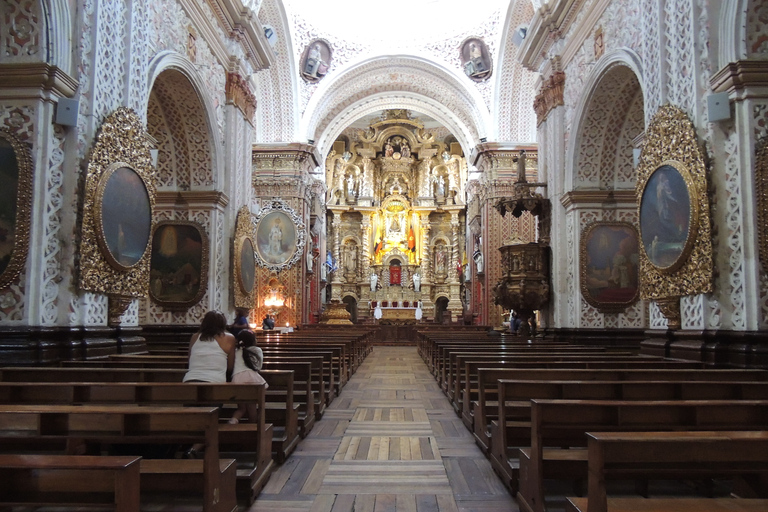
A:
(514, 118)
(22, 33)
(651, 55)
(276, 88)
(757, 30)
(139, 58)
(680, 56)
(110, 59)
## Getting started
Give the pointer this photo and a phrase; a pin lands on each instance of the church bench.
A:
(26, 428)
(72, 480)
(449, 365)
(344, 351)
(321, 378)
(250, 443)
(465, 377)
(303, 395)
(558, 432)
(487, 390)
(675, 505)
(338, 365)
(487, 377)
(510, 431)
(282, 412)
(673, 456)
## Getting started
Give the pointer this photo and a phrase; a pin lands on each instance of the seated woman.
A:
(211, 356)
(248, 361)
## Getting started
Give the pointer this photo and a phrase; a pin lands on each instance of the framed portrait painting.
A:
(178, 274)
(280, 236)
(609, 265)
(247, 266)
(15, 205)
(123, 216)
(668, 216)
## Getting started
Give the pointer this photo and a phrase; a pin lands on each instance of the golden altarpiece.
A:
(396, 217)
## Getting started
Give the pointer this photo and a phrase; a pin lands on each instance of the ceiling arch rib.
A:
(398, 77)
(384, 101)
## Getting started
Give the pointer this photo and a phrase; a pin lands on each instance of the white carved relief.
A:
(651, 54)
(634, 317)
(680, 56)
(692, 311)
(731, 242)
(590, 317)
(657, 319)
(52, 249)
(89, 309)
(23, 35)
(110, 63)
(85, 58)
(130, 318)
(139, 55)
(757, 30)
(275, 87)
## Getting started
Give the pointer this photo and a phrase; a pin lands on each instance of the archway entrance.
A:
(441, 306)
(351, 305)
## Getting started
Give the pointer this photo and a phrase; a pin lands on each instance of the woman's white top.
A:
(240, 365)
(207, 362)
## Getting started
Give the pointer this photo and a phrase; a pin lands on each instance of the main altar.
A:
(395, 217)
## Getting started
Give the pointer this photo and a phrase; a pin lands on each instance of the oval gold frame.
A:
(693, 216)
(98, 219)
(239, 264)
(23, 208)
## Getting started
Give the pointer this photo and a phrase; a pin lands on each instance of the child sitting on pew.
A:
(248, 361)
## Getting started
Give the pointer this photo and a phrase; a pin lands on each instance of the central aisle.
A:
(390, 442)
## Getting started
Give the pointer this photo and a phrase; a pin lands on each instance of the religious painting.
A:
(280, 236)
(668, 216)
(316, 60)
(178, 272)
(475, 59)
(15, 205)
(123, 216)
(247, 269)
(609, 265)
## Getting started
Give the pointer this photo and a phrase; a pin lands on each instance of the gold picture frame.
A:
(609, 265)
(178, 264)
(669, 216)
(15, 211)
(761, 192)
(671, 143)
(121, 151)
(244, 260)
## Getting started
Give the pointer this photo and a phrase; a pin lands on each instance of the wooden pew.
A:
(558, 432)
(673, 455)
(282, 412)
(285, 423)
(488, 385)
(514, 406)
(28, 427)
(249, 443)
(72, 480)
(303, 395)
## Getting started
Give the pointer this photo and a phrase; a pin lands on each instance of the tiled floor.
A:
(389, 442)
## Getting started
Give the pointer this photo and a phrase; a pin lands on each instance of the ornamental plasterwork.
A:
(275, 86)
(296, 249)
(22, 38)
(692, 272)
(121, 143)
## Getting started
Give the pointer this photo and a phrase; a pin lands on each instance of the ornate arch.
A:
(513, 116)
(409, 82)
(609, 116)
(182, 118)
(732, 33)
(59, 36)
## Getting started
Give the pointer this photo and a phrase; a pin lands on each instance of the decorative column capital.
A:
(550, 96)
(239, 94)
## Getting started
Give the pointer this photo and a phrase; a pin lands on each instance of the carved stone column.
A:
(452, 273)
(336, 251)
(426, 259)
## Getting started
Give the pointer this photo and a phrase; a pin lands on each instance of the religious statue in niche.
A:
(441, 256)
(316, 61)
(476, 59)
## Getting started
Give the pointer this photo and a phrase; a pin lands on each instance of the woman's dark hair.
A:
(213, 324)
(245, 339)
